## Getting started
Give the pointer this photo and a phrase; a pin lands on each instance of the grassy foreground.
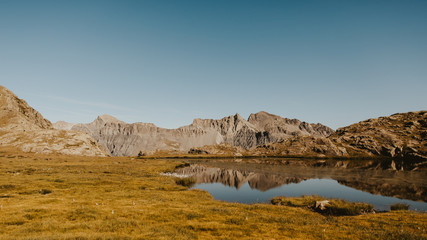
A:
(63, 197)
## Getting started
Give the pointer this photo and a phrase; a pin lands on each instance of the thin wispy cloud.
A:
(87, 103)
(67, 112)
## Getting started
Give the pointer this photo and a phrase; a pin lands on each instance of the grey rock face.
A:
(123, 139)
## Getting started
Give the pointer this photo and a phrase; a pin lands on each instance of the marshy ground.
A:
(64, 197)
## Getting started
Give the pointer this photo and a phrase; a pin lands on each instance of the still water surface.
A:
(247, 182)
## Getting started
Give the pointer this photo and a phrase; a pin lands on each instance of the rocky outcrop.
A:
(24, 128)
(123, 139)
(399, 135)
(302, 146)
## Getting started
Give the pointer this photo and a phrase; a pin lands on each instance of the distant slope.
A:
(61, 125)
(24, 128)
(123, 139)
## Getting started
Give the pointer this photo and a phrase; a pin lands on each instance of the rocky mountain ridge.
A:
(399, 135)
(24, 128)
(124, 139)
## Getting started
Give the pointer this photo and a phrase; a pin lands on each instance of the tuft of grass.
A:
(81, 214)
(186, 182)
(399, 206)
(45, 191)
(7, 186)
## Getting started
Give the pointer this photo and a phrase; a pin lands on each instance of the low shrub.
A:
(186, 182)
(338, 207)
(399, 206)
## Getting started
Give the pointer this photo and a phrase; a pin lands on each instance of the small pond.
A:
(253, 181)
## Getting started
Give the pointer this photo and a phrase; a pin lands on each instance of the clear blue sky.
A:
(167, 62)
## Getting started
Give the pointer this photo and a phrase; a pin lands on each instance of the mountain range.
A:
(262, 134)
(124, 139)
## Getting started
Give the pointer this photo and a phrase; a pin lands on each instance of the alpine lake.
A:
(381, 183)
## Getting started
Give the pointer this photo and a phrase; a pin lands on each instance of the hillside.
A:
(24, 128)
(398, 135)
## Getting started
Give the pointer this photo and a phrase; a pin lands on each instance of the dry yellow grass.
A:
(63, 197)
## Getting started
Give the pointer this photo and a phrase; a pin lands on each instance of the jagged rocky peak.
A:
(262, 116)
(231, 123)
(125, 139)
(229, 119)
(285, 127)
(105, 118)
(17, 114)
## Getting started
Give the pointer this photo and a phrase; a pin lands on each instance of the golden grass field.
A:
(71, 197)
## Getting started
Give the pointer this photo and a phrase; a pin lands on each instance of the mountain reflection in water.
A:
(268, 180)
